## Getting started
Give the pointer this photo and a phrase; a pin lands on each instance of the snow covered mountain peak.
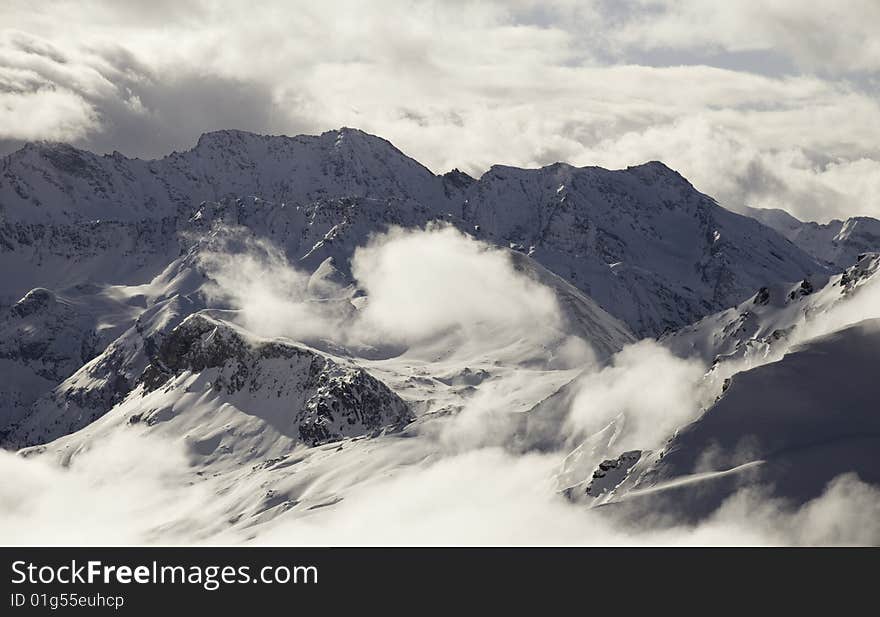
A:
(339, 139)
(43, 183)
(317, 399)
(837, 243)
(653, 172)
(642, 242)
(255, 298)
(610, 232)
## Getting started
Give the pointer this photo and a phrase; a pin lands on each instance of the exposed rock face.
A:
(611, 473)
(44, 339)
(641, 243)
(754, 328)
(45, 334)
(326, 400)
(93, 385)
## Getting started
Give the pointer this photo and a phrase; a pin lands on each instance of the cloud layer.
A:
(483, 497)
(459, 478)
(412, 287)
(758, 103)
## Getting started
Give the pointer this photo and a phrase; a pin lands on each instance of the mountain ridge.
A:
(127, 314)
(642, 241)
(837, 242)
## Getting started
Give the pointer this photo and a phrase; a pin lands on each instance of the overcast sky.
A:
(769, 103)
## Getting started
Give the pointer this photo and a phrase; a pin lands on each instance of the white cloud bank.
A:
(469, 84)
(129, 491)
(417, 285)
(815, 35)
(646, 391)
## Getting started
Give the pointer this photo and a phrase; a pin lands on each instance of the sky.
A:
(763, 103)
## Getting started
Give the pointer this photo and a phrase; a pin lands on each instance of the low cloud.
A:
(465, 478)
(125, 490)
(131, 490)
(489, 496)
(518, 84)
(815, 35)
(419, 284)
(254, 277)
(646, 392)
(415, 286)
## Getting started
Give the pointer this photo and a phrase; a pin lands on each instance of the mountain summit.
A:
(642, 242)
(309, 316)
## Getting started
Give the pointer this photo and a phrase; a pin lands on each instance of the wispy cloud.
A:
(459, 478)
(414, 286)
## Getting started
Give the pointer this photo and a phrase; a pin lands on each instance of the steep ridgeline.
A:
(784, 384)
(68, 216)
(766, 324)
(207, 366)
(316, 399)
(764, 331)
(790, 426)
(837, 243)
(71, 358)
(56, 183)
(80, 349)
(642, 242)
(45, 338)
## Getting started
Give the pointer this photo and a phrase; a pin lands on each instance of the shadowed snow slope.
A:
(319, 328)
(793, 425)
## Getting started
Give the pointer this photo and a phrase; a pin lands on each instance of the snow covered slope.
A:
(56, 183)
(758, 332)
(791, 425)
(70, 401)
(754, 329)
(837, 243)
(302, 393)
(641, 242)
(99, 384)
(46, 337)
(114, 320)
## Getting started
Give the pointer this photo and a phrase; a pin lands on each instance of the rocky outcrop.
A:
(325, 399)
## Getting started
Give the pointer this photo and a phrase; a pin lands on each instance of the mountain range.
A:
(114, 318)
